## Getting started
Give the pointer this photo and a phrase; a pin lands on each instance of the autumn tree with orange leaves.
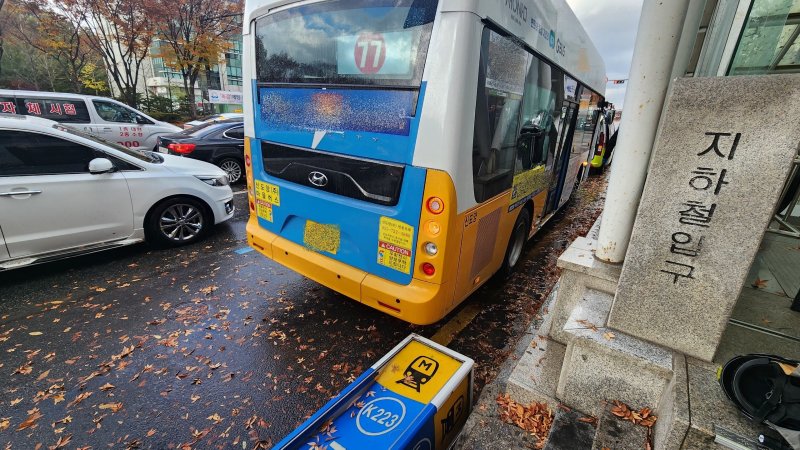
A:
(194, 34)
(121, 31)
(58, 36)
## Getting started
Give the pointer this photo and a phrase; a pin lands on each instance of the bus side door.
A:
(562, 156)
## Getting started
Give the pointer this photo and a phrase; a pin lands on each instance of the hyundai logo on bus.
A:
(318, 179)
(417, 397)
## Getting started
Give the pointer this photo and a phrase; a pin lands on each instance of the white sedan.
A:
(64, 192)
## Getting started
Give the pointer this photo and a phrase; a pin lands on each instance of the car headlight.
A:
(214, 181)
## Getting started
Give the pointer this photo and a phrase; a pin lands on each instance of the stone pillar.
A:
(723, 153)
(657, 41)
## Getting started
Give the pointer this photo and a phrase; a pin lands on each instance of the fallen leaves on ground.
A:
(535, 418)
(24, 369)
(62, 442)
(643, 417)
(81, 397)
(587, 324)
(760, 284)
(33, 416)
(589, 419)
(114, 407)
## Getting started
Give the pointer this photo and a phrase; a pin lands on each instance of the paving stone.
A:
(616, 434)
(491, 433)
(710, 408)
(698, 189)
(569, 433)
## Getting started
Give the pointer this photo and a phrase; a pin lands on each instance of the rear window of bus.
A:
(57, 109)
(346, 42)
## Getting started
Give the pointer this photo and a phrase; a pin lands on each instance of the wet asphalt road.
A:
(214, 346)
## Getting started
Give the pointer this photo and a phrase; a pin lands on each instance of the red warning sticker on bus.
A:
(394, 248)
(395, 240)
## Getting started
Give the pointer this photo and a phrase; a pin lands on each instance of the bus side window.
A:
(539, 112)
(501, 77)
(587, 119)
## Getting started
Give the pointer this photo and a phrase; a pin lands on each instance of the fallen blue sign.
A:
(417, 397)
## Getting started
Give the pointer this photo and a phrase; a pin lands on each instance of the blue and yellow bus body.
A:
(380, 192)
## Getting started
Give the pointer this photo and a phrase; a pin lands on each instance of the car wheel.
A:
(516, 243)
(178, 221)
(233, 167)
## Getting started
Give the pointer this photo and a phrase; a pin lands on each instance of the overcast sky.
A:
(612, 27)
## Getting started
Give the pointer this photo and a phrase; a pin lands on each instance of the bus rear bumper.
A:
(419, 302)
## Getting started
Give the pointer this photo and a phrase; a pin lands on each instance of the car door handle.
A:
(8, 194)
(107, 129)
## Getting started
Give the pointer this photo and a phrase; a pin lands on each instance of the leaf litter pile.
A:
(536, 418)
(643, 417)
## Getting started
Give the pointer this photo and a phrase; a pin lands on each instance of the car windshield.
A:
(140, 155)
(346, 42)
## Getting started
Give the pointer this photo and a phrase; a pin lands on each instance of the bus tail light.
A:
(433, 228)
(601, 143)
(435, 205)
(428, 269)
(181, 149)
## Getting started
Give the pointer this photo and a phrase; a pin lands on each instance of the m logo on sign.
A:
(370, 53)
(419, 372)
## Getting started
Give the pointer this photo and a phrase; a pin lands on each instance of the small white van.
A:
(102, 116)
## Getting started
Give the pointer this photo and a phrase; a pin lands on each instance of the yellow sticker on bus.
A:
(322, 237)
(418, 372)
(269, 193)
(526, 185)
(395, 239)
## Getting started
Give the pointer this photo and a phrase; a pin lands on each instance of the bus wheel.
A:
(516, 243)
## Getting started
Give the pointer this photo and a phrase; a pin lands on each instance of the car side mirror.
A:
(141, 120)
(99, 166)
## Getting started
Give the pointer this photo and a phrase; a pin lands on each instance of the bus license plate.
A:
(322, 237)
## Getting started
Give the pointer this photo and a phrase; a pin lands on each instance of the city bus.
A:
(401, 152)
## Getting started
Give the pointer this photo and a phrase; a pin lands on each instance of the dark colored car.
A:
(219, 143)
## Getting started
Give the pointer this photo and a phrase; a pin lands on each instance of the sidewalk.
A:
(484, 430)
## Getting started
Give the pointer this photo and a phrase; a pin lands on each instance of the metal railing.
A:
(789, 202)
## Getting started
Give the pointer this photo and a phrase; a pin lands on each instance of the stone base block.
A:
(601, 365)
(581, 272)
(535, 377)
(673, 412)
